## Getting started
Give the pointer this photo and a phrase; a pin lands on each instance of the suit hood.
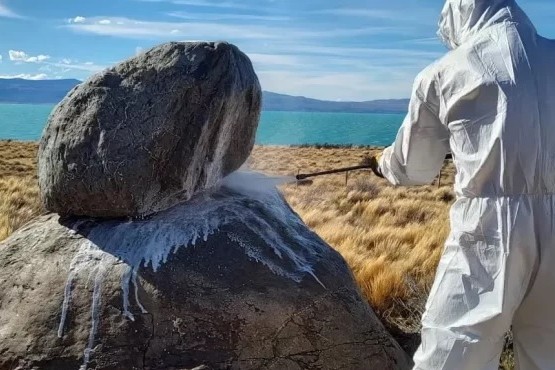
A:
(462, 19)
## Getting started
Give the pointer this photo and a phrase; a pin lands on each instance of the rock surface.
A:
(229, 280)
(151, 131)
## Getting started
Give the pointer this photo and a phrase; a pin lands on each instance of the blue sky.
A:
(327, 49)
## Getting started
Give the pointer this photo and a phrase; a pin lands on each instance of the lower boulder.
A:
(229, 280)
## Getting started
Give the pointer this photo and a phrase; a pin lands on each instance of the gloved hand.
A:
(373, 163)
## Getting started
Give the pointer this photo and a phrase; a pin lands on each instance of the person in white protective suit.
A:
(491, 103)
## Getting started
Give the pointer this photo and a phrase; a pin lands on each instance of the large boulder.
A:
(151, 131)
(231, 279)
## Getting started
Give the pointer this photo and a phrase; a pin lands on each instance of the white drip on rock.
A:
(151, 241)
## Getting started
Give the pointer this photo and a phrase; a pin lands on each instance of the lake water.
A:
(26, 122)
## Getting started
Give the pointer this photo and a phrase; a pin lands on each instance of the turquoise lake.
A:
(26, 122)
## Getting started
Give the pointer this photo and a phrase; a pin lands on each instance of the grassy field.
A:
(19, 201)
(391, 237)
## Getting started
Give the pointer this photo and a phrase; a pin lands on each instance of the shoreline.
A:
(18, 103)
(312, 146)
(385, 112)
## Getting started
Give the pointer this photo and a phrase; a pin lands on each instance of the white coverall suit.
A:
(491, 102)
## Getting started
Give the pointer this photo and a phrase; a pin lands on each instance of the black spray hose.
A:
(303, 176)
(339, 170)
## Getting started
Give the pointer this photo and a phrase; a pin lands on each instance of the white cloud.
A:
(45, 68)
(21, 56)
(77, 19)
(206, 3)
(227, 16)
(138, 29)
(130, 28)
(275, 60)
(336, 59)
(412, 15)
(139, 50)
(64, 65)
(348, 73)
(318, 59)
(17, 55)
(7, 13)
(1, 58)
(332, 86)
(74, 65)
(26, 76)
(39, 58)
(424, 41)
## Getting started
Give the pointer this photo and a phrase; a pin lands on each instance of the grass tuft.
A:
(19, 197)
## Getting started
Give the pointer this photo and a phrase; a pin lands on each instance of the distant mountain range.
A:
(280, 102)
(22, 91)
(52, 91)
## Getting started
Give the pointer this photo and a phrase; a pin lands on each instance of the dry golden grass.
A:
(19, 198)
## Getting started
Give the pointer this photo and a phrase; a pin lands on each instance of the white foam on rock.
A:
(244, 198)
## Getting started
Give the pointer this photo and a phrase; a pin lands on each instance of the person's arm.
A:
(417, 155)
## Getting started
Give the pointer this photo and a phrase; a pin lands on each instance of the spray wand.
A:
(367, 163)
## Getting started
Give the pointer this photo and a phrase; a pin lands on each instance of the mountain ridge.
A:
(282, 102)
(23, 91)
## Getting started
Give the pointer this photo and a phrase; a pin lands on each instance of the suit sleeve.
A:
(417, 155)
